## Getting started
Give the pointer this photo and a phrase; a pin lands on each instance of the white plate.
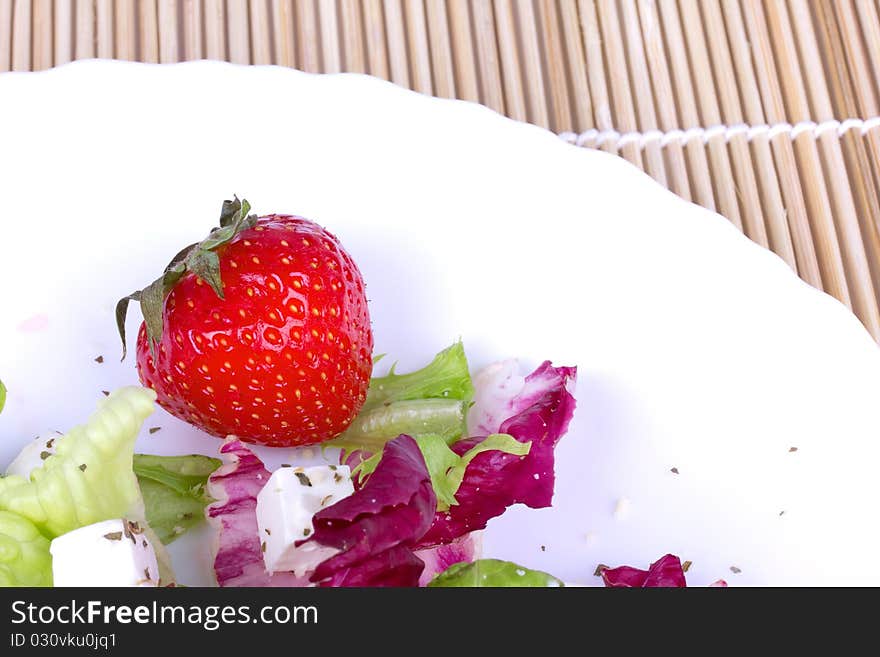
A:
(696, 349)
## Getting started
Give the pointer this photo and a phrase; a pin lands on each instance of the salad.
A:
(260, 335)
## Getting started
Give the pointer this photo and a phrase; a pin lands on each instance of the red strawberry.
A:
(261, 330)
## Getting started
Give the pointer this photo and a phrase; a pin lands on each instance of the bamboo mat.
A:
(759, 109)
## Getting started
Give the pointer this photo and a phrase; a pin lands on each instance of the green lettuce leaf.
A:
(24, 553)
(431, 401)
(90, 477)
(492, 573)
(445, 466)
(445, 377)
(371, 429)
(174, 494)
(2, 396)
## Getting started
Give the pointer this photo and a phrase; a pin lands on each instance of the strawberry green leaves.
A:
(199, 259)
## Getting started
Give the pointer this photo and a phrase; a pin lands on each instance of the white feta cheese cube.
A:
(108, 553)
(33, 454)
(285, 507)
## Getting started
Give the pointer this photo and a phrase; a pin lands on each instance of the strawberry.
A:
(261, 330)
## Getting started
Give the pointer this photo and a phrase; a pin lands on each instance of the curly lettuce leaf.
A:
(433, 400)
(24, 553)
(174, 494)
(445, 377)
(372, 428)
(90, 477)
(492, 573)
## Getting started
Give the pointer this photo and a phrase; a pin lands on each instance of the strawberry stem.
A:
(200, 259)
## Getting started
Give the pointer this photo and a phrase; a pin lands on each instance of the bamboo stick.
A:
(238, 31)
(839, 82)
(104, 28)
(492, 93)
(374, 29)
(870, 23)
(260, 32)
(63, 27)
(787, 68)
(818, 201)
(803, 163)
(557, 76)
(396, 32)
(85, 30)
(655, 57)
(41, 33)
(5, 35)
(308, 40)
(441, 49)
(621, 92)
(352, 38)
(285, 32)
(331, 48)
(193, 42)
(149, 31)
(808, 50)
(21, 36)
(643, 92)
(710, 112)
(858, 270)
(577, 65)
(697, 160)
(533, 67)
(126, 30)
(793, 209)
(169, 31)
(855, 258)
(354, 56)
(419, 57)
(850, 37)
(508, 50)
(215, 29)
(871, 140)
(867, 203)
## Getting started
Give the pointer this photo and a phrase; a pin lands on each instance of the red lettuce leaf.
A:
(437, 559)
(238, 560)
(374, 528)
(495, 480)
(396, 566)
(665, 572)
